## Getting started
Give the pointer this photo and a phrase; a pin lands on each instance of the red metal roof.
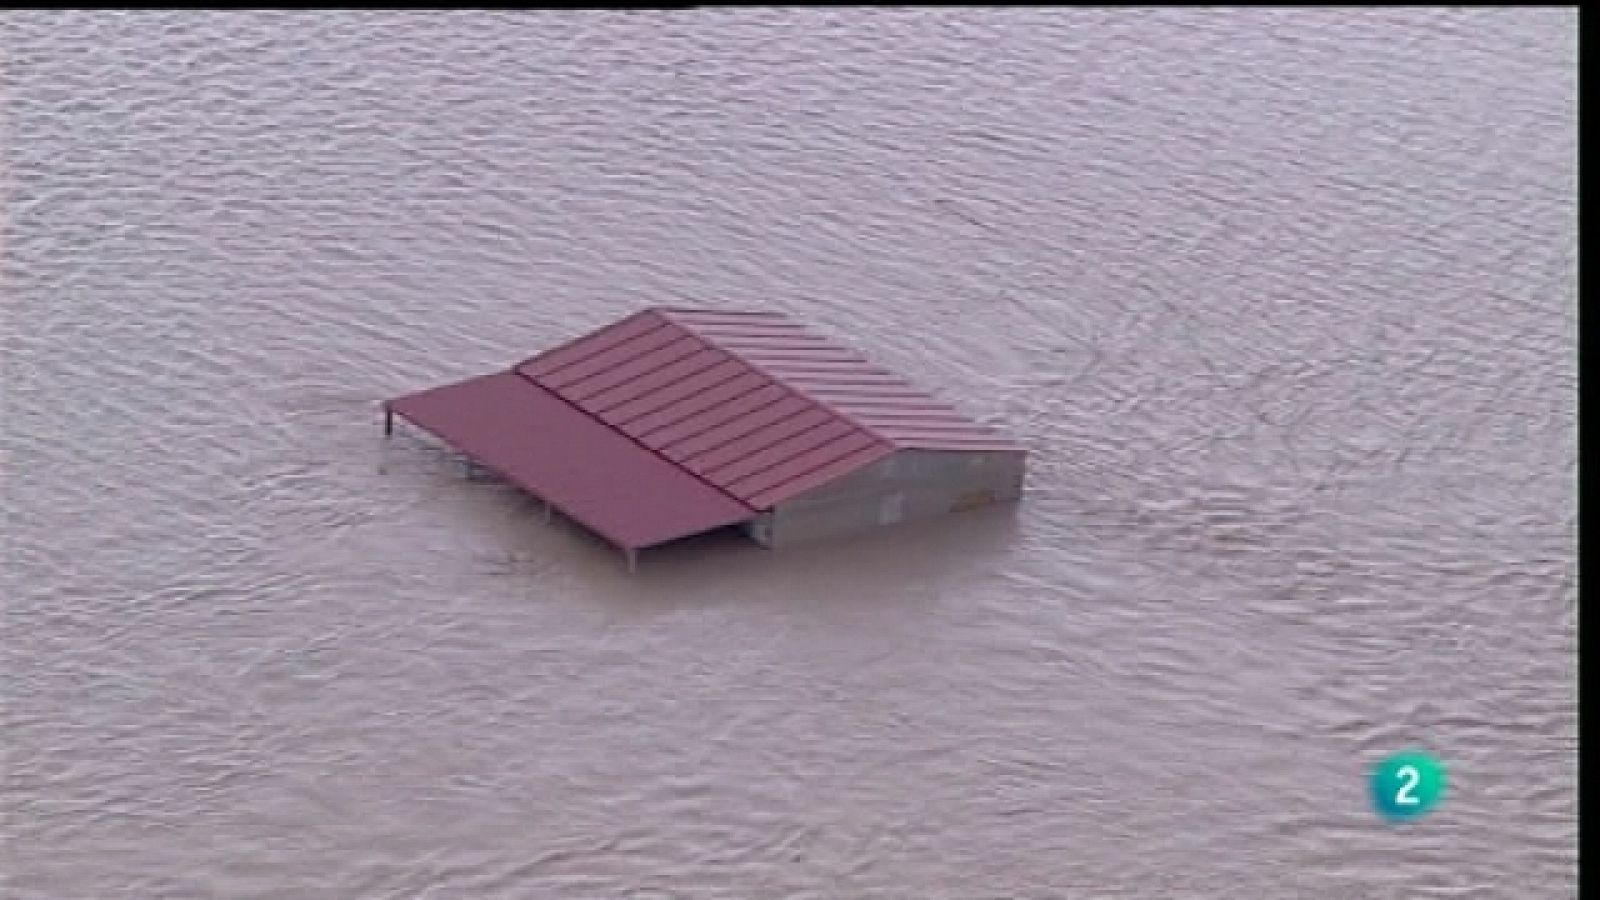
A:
(750, 402)
(675, 421)
(537, 441)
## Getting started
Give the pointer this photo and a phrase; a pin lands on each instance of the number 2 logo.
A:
(1409, 776)
(1407, 786)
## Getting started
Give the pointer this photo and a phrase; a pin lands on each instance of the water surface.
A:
(1283, 301)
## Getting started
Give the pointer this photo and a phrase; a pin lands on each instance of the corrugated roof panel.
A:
(775, 322)
(837, 354)
(754, 334)
(702, 315)
(694, 415)
(845, 380)
(840, 379)
(818, 364)
(899, 416)
(731, 421)
(880, 396)
(817, 477)
(703, 319)
(652, 344)
(605, 395)
(865, 409)
(635, 367)
(788, 351)
(969, 427)
(757, 342)
(844, 395)
(794, 484)
(721, 382)
(813, 354)
(789, 369)
(777, 479)
(729, 473)
(714, 457)
(625, 330)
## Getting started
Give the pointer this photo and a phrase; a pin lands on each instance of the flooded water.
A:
(1283, 301)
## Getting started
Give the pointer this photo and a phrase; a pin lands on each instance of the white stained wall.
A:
(911, 484)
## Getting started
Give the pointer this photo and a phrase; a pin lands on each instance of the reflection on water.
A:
(1283, 300)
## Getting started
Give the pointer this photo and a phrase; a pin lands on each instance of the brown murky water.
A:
(1284, 300)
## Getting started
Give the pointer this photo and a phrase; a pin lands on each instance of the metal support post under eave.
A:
(633, 559)
(547, 510)
(388, 421)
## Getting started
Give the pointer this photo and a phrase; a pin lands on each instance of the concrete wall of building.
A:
(909, 485)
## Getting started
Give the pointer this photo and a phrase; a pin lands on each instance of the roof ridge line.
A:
(517, 370)
(829, 408)
(570, 341)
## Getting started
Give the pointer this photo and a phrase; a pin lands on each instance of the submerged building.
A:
(673, 422)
